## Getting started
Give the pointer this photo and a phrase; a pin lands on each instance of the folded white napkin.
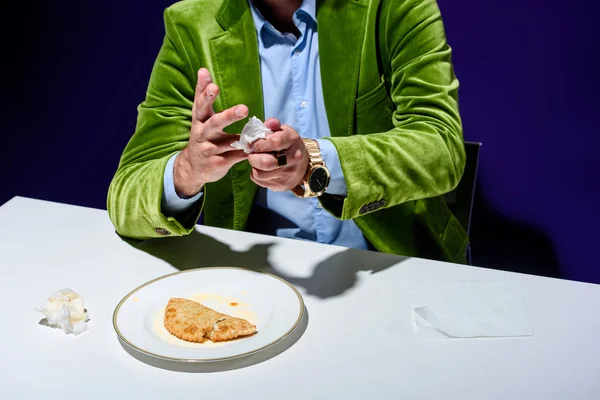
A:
(471, 309)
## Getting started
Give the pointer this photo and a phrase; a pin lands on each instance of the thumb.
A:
(233, 157)
(273, 124)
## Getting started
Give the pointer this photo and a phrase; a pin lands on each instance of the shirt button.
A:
(303, 103)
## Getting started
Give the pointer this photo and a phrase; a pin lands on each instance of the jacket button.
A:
(372, 206)
(381, 203)
(363, 210)
(162, 231)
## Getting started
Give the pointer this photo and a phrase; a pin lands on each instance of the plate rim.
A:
(207, 360)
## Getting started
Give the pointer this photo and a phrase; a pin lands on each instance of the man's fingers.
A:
(231, 158)
(223, 143)
(263, 161)
(273, 124)
(203, 80)
(206, 92)
(221, 120)
(277, 141)
(271, 179)
(203, 106)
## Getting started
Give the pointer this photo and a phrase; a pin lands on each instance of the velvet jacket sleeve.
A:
(163, 128)
(422, 155)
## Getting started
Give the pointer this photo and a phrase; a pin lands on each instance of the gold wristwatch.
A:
(317, 176)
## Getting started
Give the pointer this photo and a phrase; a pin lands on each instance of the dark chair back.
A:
(460, 200)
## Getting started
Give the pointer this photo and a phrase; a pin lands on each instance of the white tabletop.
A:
(358, 341)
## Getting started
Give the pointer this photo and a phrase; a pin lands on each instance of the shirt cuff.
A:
(337, 182)
(172, 204)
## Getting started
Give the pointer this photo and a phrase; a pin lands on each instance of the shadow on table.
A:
(220, 366)
(198, 250)
(338, 273)
(331, 277)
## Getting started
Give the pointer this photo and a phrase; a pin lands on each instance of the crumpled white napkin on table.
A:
(65, 310)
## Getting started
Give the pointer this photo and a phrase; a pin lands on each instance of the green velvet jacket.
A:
(392, 104)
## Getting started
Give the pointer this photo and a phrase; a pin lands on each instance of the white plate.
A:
(267, 301)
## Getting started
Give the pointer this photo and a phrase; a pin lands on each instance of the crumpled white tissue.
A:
(253, 130)
(65, 310)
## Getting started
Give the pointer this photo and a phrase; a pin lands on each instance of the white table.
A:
(47, 246)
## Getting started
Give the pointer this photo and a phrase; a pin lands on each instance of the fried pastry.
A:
(191, 321)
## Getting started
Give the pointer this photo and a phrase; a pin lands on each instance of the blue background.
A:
(73, 73)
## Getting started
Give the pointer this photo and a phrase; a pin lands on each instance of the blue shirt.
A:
(292, 93)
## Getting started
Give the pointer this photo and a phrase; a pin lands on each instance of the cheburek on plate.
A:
(193, 322)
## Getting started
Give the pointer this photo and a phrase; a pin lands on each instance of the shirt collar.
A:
(264, 27)
(309, 7)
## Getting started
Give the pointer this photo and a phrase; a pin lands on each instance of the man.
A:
(360, 95)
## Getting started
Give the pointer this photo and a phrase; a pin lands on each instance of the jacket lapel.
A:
(340, 44)
(236, 70)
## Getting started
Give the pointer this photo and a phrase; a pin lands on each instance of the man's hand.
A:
(286, 140)
(208, 155)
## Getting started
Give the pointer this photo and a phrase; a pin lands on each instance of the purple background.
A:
(74, 71)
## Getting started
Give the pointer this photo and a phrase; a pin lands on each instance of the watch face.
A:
(318, 180)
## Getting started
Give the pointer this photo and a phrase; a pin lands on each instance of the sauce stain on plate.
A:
(222, 304)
